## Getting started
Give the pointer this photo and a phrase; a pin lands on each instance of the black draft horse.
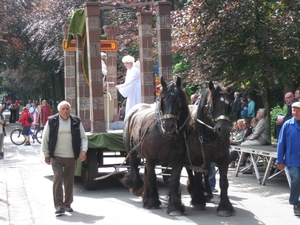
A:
(155, 132)
(208, 141)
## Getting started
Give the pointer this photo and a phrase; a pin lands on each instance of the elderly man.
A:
(289, 100)
(194, 99)
(236, 106)
(297, 94)
(260, 135)
(64, 140)
(288, 154)
(2, 131)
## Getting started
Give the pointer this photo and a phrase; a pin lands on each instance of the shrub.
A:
(275, 112)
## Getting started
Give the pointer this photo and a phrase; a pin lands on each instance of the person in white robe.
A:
(131, 88)
(104, 67)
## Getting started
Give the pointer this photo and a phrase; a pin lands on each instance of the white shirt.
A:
(34, 112)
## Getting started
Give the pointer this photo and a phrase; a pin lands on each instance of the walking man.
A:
(288, 154)
(64, 140)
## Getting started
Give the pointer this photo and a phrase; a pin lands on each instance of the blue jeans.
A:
(212, 176)
(295, 185)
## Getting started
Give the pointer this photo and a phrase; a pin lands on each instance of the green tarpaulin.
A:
(110, 141)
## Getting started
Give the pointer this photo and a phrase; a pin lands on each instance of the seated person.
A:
(237, 130)
(234, 129)
(260, 134)
(238, 138)
(233, 155)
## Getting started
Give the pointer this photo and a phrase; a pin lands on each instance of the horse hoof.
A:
(175, 213)
(225, 213)
(208, 198)
(152, 207)
(200, 207)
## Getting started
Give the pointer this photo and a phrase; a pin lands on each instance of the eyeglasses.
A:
(289, 97)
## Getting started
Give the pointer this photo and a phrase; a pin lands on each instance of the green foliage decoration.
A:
(275, 112)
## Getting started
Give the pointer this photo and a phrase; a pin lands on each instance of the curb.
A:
(4, 216)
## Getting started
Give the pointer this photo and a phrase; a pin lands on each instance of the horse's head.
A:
(170, 106)
(217, 108)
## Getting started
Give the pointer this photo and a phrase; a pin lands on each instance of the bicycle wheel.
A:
(39, 135)
(16, 137)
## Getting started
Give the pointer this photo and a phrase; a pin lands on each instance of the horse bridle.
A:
(211, 108)
(160, 117)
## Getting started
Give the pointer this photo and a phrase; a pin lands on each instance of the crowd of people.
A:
(250, 129)
(286, 134)
(39, 114)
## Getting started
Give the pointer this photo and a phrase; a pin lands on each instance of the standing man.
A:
(28, 105)
(251, 108)
(2, 131)
(194, 99)
(236, 107)
(297, 94)
(33, 110)
(64, 140)
(289, 100)
(131, 88)
(288, 154)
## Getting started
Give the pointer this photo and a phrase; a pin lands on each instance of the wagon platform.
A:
(103, 150)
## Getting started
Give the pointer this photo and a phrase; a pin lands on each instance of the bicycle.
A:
(17, 138)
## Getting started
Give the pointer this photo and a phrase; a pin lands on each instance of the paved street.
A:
(26, 198)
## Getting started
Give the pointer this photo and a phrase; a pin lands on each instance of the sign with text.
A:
(106, 45)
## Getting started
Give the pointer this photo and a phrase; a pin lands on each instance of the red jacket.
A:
(24, 119)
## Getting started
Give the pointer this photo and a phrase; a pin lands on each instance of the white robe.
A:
(131, 88)
(104, 71)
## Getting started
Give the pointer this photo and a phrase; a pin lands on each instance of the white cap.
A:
(296, 104)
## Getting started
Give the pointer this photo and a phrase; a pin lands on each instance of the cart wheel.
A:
(90, 170)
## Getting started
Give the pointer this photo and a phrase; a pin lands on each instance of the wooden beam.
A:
(123, 6)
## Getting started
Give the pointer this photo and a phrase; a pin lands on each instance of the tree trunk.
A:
(265, 95)
(53, 88)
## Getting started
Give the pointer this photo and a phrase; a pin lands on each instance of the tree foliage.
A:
(238, 40)
(252, 42)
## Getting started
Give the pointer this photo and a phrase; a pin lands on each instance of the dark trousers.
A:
(13, 115)
(277, 129)
(295, 185)
(236, 116)
(64, 171)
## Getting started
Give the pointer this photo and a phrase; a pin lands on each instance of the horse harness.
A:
(158, 121)
(202, 138)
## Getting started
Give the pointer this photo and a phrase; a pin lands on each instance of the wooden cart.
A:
(100, 146)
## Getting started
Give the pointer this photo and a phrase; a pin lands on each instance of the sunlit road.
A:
(28, 198)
